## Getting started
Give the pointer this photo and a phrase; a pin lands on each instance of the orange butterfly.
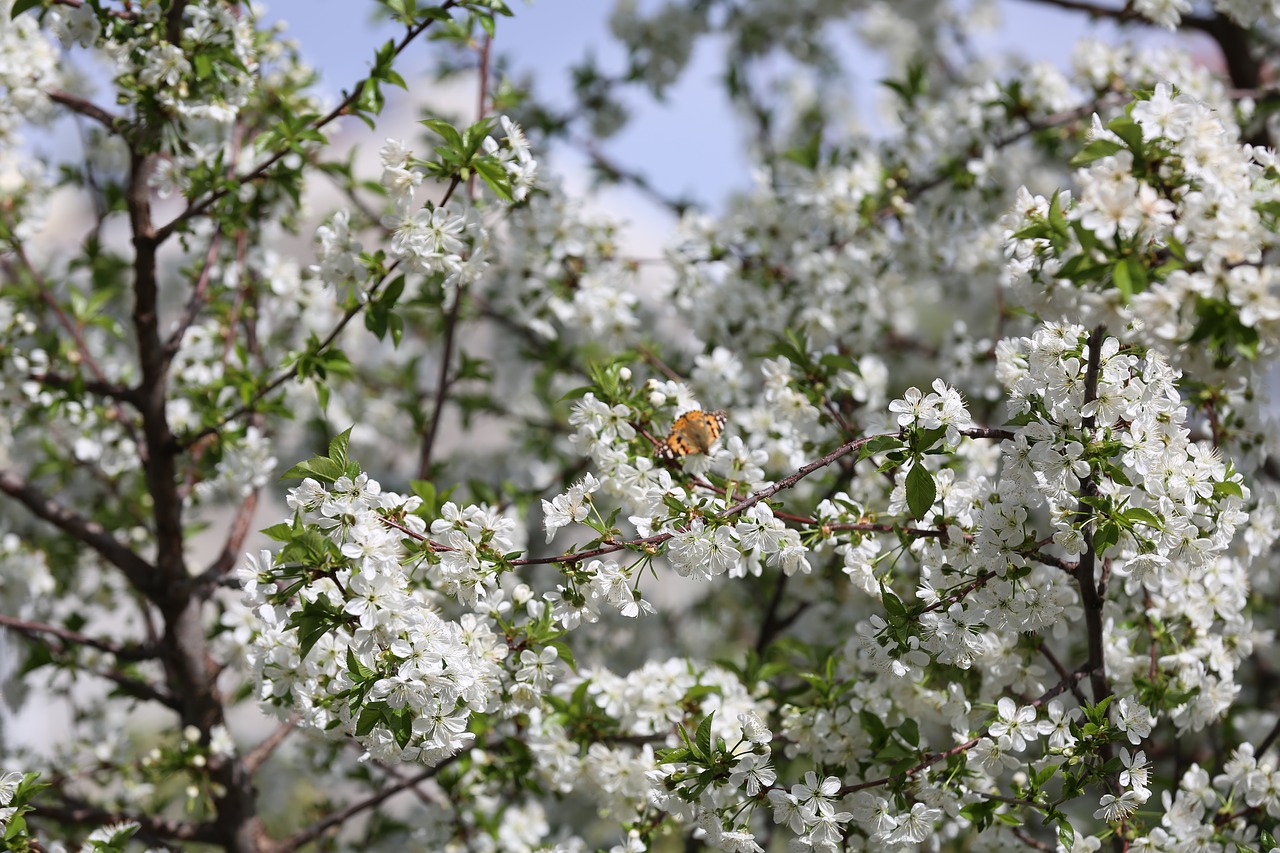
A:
(693, 432)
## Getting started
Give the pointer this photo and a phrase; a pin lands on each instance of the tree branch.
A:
(120, 651)
(86, 108)
(1086, 567)
(930, 760)
(268, 745)
(150, 828)
(314, 831)
(442, 387)
(233, 544)
(139, 572)
(196, 208)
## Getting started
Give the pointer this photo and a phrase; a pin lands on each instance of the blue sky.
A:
(687, 144)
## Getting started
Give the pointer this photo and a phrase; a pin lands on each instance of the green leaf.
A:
(980, 814)
(1139, 515)
(676, 755)
(879, 444)
(359, 671)
(312, 622)
(1128, 130)
(910, 732)
(1095, 150)
(1130, 277)
(1107, 534)
(446, 131)
(16, 828)
(322, 469)
(922, 491)
(338, 447)
(370, 716)
(1043, 775)
(495, 177)
(279, 532)
(702, 738)
(891, 752)
(1227, 488)
(893, 605)
(1057, 218)
(21, 6)
(565, 653)
(873, 726)
(577, 393)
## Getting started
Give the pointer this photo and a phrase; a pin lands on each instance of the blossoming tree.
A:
(578, 550)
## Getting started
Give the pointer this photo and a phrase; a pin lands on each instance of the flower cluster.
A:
(1173, 207)
(356, 643)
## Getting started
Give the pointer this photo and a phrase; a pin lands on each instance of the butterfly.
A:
(693, 432)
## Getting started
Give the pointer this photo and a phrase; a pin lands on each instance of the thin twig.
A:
(317, 829)
(196, 208)
(288, 373)
(769, 628)
(86, 108)
(139, 572)
(120, 651)
(260, 753)
(1062, 672)
(930, 760)
(442, 388)
(234, 543)
(1267, 741)
(1086, 568)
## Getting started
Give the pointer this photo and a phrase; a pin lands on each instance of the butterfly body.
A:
(693, 432)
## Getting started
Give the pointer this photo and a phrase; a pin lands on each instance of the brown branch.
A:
(1062, 672)
(870, 527)
(138, 689)
(86, 108)
(660, 365)
(612, 170)
(150, 828)
(1267, 741)
(120, 651)
(930, 760)
(482, 107)
(1050, 560)
(196, 301)
(1236, 45)
(314, 831)
(612, 546)
(71, 327)
(139, 572)
(1086, 567)
(190, 672)
(173, 22)
(127, 684)
(1020, 833)
(159, 463)
(110, 390)
(1124, 14)
(989, 432)
(1091, 595)
(260, 753)
(234, 543)
(917, 188)
(442, 387)
(284, 375)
